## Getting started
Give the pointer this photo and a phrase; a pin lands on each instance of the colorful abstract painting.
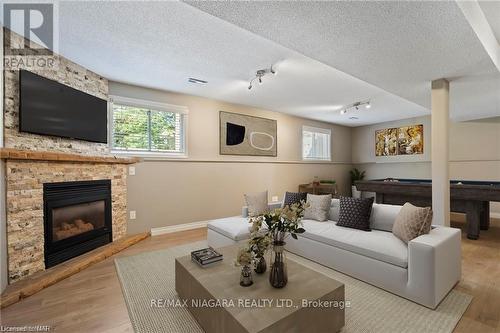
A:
(386, 142)
(411, 140)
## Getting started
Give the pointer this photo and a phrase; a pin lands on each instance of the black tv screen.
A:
(51, 108)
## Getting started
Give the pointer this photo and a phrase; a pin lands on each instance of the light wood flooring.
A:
(92, 301)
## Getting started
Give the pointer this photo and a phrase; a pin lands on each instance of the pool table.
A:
(469, 197)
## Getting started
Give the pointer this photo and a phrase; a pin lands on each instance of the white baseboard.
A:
(178, 227)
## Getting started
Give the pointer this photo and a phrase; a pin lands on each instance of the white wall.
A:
(474, 152)
(207, 185)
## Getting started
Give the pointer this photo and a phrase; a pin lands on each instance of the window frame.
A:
(313, 129)
(183, 111)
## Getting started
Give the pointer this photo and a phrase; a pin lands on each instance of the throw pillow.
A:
(257, 203)
(319, 207)
(294, 197)
(412, 222)
(355, 213)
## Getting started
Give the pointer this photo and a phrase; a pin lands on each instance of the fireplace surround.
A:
(77, 218)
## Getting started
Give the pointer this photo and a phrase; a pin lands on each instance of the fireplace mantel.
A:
(19, 154)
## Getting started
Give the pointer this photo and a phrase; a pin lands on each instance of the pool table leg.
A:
(473, 216)
(485, 216)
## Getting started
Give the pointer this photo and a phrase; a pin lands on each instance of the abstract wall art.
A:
(406, 140)
(386, 142)
(411, 140)
(247, 135)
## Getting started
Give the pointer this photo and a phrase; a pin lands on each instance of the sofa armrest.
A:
(271, 205)
(435, 263)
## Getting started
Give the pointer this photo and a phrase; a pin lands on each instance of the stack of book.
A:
(205, 257)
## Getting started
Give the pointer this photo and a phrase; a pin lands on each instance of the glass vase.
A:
(278, 276)
(260, 265)
(246, 276)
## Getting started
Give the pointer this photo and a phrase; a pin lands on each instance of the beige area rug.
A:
(150, 276)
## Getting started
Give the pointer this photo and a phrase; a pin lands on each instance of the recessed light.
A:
(197, 81)
(343, 111)
(368, 105)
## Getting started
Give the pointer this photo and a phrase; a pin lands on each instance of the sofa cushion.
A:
(236, 227)
(319, 207)
(256, 203)
(334, 210)
(383, 216)
(355, 213)
(294, 197)
(379, 245)
(412, 222)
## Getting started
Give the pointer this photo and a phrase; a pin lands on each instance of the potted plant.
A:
(259, 243)
(278, 225)
(356, 175)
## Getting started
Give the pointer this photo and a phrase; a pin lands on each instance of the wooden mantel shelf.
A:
(18, 154)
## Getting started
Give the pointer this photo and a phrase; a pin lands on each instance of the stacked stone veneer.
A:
(25, 179)
(25, 231)
(67, 73)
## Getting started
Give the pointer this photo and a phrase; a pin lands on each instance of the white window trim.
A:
(141, 103)
(328, 131)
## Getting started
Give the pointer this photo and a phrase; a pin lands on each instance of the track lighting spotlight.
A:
(260, 74)
(355, 106)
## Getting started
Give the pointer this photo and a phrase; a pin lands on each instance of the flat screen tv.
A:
(51, 108)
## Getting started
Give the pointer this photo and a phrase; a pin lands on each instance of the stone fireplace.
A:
(37, 228)
(77, 218)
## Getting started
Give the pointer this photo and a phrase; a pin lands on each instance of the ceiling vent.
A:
(197, 81)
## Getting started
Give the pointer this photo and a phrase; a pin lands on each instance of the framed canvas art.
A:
(386, 142)
(241, 134)
(411, 140)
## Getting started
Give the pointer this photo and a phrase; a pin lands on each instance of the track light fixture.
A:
(356, 106)
(260, 74)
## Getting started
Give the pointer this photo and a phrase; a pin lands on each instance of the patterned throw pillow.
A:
(412, 222)
(355, 213)
(257, 203)
(319, 207)
(294, 197)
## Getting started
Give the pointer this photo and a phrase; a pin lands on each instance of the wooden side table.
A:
(319, 189)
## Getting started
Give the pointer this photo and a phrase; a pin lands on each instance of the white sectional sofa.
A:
(423, 271)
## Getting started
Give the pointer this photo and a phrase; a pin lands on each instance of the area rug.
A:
(151, 275)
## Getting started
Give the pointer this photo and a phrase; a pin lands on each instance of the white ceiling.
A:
(398, 46)
(162, 44)
(491, 10)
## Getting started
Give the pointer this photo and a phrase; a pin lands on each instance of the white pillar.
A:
(439, 152)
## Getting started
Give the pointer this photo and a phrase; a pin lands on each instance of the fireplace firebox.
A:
(77, 218)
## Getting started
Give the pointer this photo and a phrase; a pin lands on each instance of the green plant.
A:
(356, 175)
(281, 222)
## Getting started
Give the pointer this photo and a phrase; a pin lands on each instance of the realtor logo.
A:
(32, 39)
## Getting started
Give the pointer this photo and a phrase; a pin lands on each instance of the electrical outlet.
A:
(274, 198)
(132, 215)
(131, 170)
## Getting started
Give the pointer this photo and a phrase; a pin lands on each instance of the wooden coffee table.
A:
(217, 301)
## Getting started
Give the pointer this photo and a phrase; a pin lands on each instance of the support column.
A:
(439, 152)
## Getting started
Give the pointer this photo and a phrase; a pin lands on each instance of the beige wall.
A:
(207, 185)
(474, 152)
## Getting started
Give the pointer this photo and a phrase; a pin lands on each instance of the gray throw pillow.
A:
(319, 207)
(257, 203)
(412, 222)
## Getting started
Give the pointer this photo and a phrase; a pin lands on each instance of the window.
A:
(147, 127)
(316, 143)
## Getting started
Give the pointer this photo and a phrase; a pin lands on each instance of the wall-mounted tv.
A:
(51, 108)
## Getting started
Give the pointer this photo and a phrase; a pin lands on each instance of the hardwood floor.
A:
(92, 301)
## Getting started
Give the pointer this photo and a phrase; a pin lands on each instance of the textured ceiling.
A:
(491, 10)
(399, 46)
(162, 44)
